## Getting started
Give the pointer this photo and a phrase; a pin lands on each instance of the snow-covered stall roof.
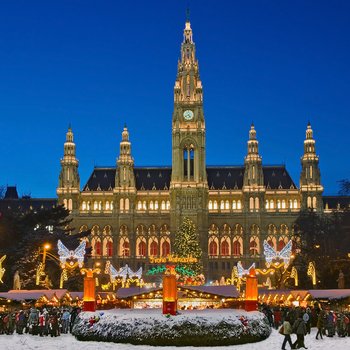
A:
(228, 291)
(33, 294)
(124, 293)
(329, 293)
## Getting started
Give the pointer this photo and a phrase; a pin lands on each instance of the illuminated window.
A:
(213, 248)
(239, 205)
(234, 205)
(225, 248)
(165, 248)
(142, 248)
(153, 248)
(210, 205)
(109, 248)
(236, 247)
(215, 205)
(227, 205)
(222, 205)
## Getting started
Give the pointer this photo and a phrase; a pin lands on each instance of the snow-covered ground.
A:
(66, 341)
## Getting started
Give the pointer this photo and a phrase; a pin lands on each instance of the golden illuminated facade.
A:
(134, 212)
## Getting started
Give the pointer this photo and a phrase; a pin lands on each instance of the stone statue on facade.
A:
(341, 280)
(16, 281)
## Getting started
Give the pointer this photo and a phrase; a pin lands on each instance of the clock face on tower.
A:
(188, 115)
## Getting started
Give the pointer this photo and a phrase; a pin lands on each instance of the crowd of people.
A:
(297, 320)
(42, 322)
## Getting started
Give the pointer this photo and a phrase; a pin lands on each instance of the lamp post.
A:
(47, 246)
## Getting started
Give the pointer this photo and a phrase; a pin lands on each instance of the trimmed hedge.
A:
(182, 330)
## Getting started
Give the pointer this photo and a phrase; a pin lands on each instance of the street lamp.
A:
(47, 246)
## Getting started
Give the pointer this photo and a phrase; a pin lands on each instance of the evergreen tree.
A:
(187, 244)
(23, 245)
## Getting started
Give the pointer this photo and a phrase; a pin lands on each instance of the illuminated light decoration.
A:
(294, 274)
(66, 254)
(2, 270)
(181, 270)
(241, 271)
(173, 259)
(271, 254)
(267, 271)
(39, 273)
(64, 277)
(311, 271)
(124, 275)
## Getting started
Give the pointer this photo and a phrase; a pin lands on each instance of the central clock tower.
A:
(189, 185)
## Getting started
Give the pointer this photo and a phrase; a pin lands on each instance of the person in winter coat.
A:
(320, 324)
(287, 331)
(65, 321)
(20, 322)
(307, 319)
(33, 320)
(299, 327)
(330, 324)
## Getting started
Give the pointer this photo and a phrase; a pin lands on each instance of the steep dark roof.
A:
(27, 204)
(336, 202)
(219, 177)
(11, 192)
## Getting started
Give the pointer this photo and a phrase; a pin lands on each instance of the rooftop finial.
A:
(69, 126)
(188, 14)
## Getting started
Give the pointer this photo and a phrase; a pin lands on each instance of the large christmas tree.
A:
(187, 245)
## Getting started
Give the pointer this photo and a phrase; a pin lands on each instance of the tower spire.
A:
(310, 177)
(69, 182)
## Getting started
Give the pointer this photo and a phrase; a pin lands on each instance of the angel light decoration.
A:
(65, 254)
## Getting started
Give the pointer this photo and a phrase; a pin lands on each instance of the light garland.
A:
(66, 254)
(64, 277)
(124, 272)
(271, 254)
(39, 273)
(294, 274)
(2, 270)
(311, 271)
(181, 270)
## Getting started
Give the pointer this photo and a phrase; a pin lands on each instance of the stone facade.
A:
(134, 212)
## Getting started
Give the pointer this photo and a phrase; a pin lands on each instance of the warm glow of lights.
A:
(47, 246)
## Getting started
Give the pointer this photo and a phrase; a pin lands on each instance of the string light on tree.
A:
(311, 271)
(2, 270)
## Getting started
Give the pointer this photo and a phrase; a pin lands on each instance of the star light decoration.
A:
(66, 254)
(271, 254)
(2, 270)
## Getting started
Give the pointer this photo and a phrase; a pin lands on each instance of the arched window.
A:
(167, 205)
(272, 204)
(267, 206)
(283, 204)
(125, 248)
(151, 207)
(257, 203)
(210, 205)
(121, 204)
(254, 246)
(278, 204)
(251, 203)
(97, 248)
(127, 204)
(109, 248)
(153, 248)
(239, 205)
(141, 248)
(222, 205)
(227, 205)
(165, 248)
(225, 247)
(295, 204)
(215, 205)
(309, 202)
(107, 205)
(281, 244)
(236, 247)
(213, 248)
(83, 206)
(162, 206)
(139, 205)
(314, 202)
(234, 205)
(144, 205)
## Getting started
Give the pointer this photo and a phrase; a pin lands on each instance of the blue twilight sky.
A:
(100, 64)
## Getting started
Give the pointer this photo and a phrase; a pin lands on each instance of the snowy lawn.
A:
(67, 341)
(189, 328)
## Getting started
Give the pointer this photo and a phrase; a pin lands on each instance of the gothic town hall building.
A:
(134, 212)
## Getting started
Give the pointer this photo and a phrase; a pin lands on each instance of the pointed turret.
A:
(310, 177)
(69, 182)
(125, 190)
(125, 163)
(253, 181)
